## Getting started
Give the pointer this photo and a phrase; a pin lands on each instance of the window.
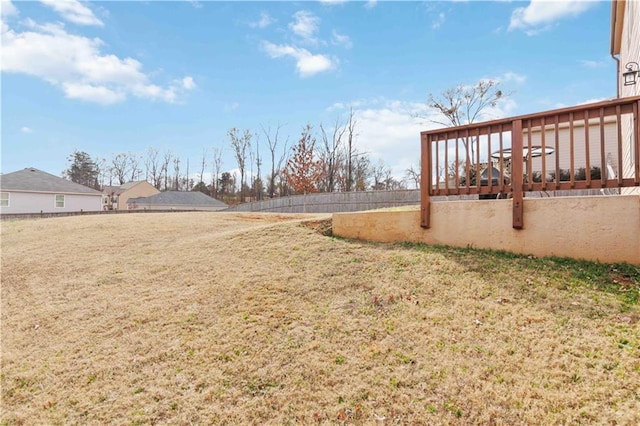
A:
(60, 201)
(4, 199)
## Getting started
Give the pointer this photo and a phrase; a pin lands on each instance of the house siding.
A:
(143, 189)
(563, 151)
(629, 52)
(31, 202)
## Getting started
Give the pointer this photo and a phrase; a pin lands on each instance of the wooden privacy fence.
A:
(592, 146)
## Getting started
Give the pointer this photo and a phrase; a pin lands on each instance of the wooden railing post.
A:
(425, 181)
(517, 175)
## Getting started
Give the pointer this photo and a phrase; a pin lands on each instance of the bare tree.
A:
(153, 167)
(165, 169)
(462, 105)
(120, 167)
(186, 179)
(176, 171)
(241, 144)
(361, 172)
(351, 125)
(203, 164)
(134, 162)
(272, 140)
(217, 165)
(103, 170)
(414, 175)
(380, 173)
(330, 155)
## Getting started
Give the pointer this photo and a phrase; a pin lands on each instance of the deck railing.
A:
(592, 146)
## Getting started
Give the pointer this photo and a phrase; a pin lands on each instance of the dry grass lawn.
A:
(214, 318)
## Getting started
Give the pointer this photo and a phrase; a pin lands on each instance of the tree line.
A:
(322, 159)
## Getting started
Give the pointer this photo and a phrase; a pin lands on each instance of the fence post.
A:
(517, 175)
(425, 181)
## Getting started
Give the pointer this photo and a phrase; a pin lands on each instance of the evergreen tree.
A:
(83, 170)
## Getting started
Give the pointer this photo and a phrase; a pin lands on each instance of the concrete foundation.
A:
(599, 228)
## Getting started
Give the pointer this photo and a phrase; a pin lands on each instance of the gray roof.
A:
(195, 198)
(34, 180)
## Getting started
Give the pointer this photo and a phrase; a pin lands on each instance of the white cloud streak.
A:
(7, 9)
(73, 11)
(539, 15)
(26, 129)
(390, 129)
(593, 64)
(341, 40)
(307, 64)
(437, 23)
(370, 4)
(264, 21)
(77, 65)
(305, 25)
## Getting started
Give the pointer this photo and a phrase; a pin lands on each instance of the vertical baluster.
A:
(572, 165)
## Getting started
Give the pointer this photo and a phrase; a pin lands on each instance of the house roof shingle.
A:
(34, 180)
(194, 198)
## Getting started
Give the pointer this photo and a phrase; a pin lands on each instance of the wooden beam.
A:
(517, 176)
(425, 181)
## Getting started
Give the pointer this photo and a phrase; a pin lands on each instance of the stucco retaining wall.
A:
(605, 229)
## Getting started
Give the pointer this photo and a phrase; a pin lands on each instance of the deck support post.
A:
(517, 173)
(425, 181)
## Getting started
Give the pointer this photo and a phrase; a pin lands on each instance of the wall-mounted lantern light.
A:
(630, 76)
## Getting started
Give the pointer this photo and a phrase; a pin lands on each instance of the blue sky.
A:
(112, 77)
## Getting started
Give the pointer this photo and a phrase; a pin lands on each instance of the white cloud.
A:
(7, 9)
(539, 15)
(332, 2)
(593, 64)
(307, 64)
(196, 4)
(305, 25)
(188, 83)
(264, 21)
(510, 76)
(390, 129)
(77, 65)
(26, 129)
(92, 93)
(370, 4)
(73, 11)
(232, 107)
(437, 23)
(341, 40)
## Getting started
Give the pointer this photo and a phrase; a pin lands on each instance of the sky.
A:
(122, 76)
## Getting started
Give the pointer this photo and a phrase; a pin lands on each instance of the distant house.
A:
(34, 191)
(117, 197)
(177, 200)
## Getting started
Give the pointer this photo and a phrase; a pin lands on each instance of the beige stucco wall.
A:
(605, 229)
(142, 189)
